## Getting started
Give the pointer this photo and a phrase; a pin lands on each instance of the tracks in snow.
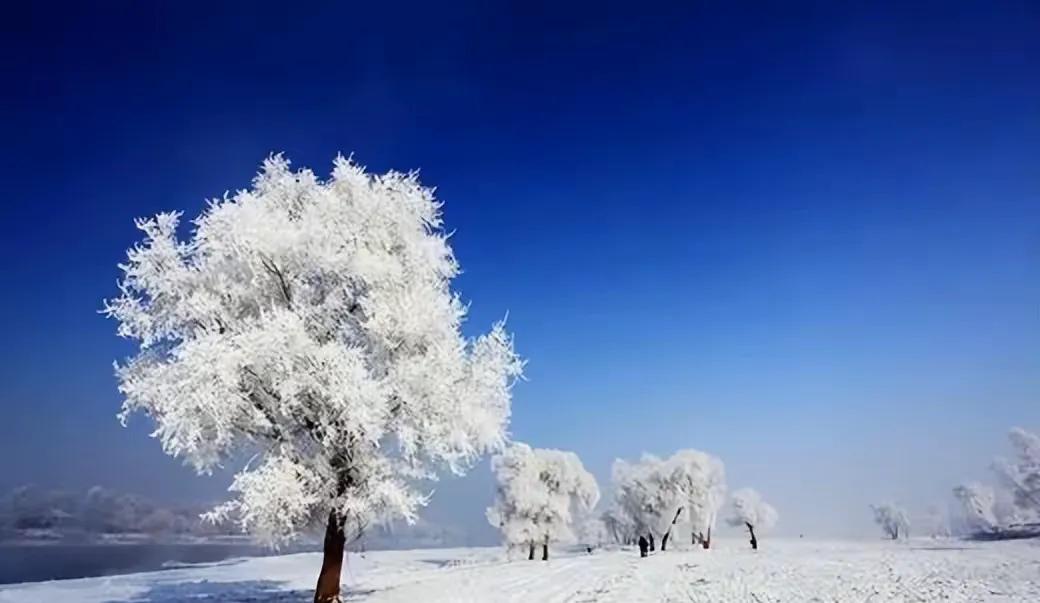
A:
(606, 577)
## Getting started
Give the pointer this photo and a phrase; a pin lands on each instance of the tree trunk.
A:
(650, 539)
(530, 553)
(706, 541)
(751, 528)
(327, 590)
(545, 552)
(664, 540)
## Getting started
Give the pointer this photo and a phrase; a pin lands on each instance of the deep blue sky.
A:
(806, 239)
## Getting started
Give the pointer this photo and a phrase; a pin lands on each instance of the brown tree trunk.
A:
(327, 590)
(650, 539)
(706, 541)
(545, 552)
(751, 528)
(530, 553)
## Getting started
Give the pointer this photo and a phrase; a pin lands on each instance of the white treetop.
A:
(977, 503)
(895, 521)
(540, 494)
(747, 507)
(312, 323)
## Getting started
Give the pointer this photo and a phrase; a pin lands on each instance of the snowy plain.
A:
(783, 570)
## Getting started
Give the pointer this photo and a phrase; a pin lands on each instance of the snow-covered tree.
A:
(592, 532)
(312, 324)
(656, 494)
(977, 505)
(702, 479)
(934, 523)
(639, 496)
(539, 495)
(1021, 475)
(748, 509)
(619, 525)
(894, 521)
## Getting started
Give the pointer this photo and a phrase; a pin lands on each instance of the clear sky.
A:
(806, 239)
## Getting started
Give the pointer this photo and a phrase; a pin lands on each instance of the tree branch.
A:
(271, 267)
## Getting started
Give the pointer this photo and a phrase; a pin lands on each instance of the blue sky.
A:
(806, 239)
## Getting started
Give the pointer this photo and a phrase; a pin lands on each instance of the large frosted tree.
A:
(638, 500)
(977, 507)
(702, 480)
(540, 496)
(311, 324)
(1021, 475)
(654, 494)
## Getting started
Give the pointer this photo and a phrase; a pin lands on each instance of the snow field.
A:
(782, 571)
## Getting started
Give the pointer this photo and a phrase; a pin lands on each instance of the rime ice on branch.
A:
(312, 323)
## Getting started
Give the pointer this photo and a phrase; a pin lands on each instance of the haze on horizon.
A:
(804, 239)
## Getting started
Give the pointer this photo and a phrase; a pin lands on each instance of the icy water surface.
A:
(34, 563)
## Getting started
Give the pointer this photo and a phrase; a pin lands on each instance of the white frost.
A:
(312, 323)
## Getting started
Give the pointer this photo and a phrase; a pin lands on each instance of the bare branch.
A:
(271, 267)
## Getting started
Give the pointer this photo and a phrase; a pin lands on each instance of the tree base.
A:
(327, 590)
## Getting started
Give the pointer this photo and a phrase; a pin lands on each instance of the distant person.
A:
(643, 546)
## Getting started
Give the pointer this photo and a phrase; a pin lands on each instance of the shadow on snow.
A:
(247, 591)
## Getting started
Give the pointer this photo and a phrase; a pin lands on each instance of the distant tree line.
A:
(31, 512)
(1007, 508)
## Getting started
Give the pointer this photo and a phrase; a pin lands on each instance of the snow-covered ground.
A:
(784, 570)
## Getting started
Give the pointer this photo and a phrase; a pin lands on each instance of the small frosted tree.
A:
(312, 324)
(977, 505)
(748, 509)
(935, 523)
(894, 521)
(540, 494)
